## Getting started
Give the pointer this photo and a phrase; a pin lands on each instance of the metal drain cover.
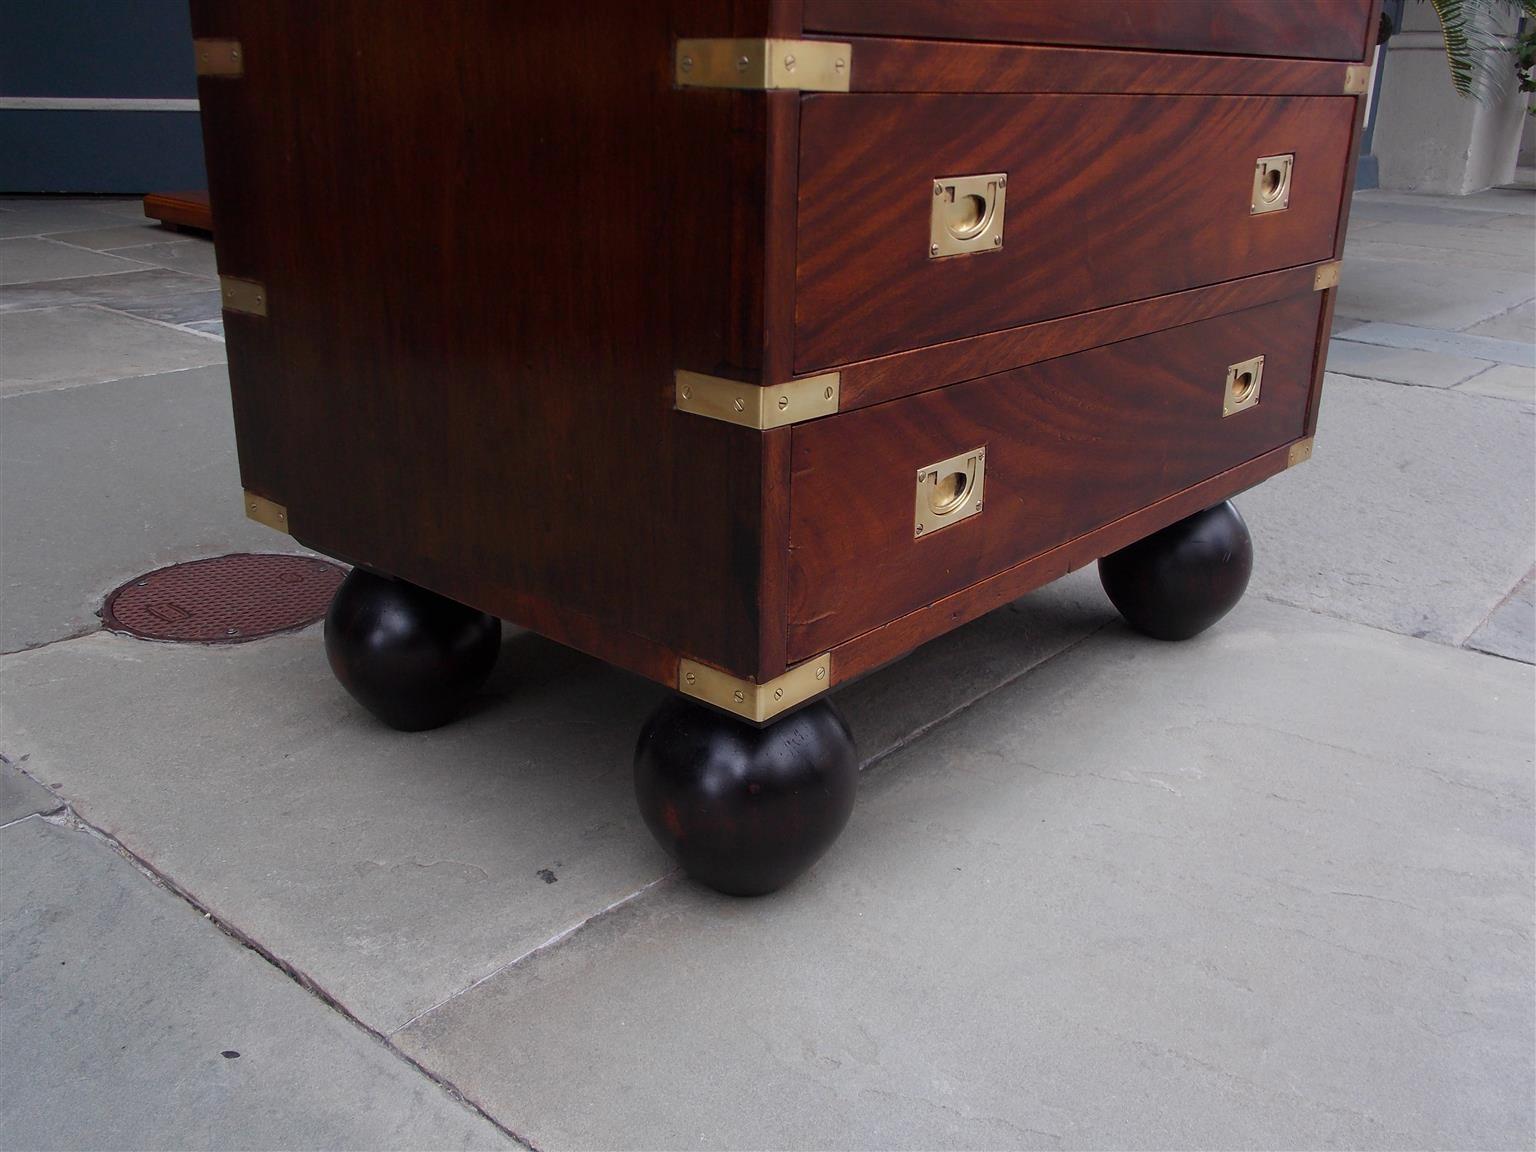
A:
(224, 599)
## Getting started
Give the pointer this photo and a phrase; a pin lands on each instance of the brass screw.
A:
(739, 404)
(938, 189)
(840, 64)
(687, 63)
(783, 403)
(691, 677)
(821, 673)
(778, 693)
(789, 63)
(234, 53)
(919, 529)
(978, 505)
(997, 241)
(741, 63)
(827, 393)
(933, 250)
(739, 696)
(687, 392)
(1002, 181)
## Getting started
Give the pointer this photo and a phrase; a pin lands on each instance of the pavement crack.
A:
(67, 817)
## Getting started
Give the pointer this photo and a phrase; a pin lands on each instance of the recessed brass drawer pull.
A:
(1271, 183)
(967, 214)
(1242, 390)
(949, 492)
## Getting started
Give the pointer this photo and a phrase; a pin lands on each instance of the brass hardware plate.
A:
(754, 702)
(799, 65)
(218, 58)
(1357, 79)
(949, 492)
(1243, 382)
(1299, 453)
(754, 405)
(239, 295)
(268, 512)
(967, 214)
(1327, 275)
(1271, 184)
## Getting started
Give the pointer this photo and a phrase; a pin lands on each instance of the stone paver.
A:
(101, 483)
(1436, 296)
(1392, 522)
(1510, 630)
(1270, 888)
(116, 289)
(1506, 381)
(396, 870)
(21, 797)
(144, 1026)
(58, 347)
(1519, 323)
(1401, 365)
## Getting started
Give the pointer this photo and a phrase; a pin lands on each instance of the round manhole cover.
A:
(224, 599)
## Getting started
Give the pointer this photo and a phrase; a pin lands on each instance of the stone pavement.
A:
(1269, 888)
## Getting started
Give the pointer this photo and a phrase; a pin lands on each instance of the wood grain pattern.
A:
(923, 369)
(880, 646)
(1072, 444)
(1328, 29)
(923, 66)
(483, 266)
(180, 209)
(1110, 199)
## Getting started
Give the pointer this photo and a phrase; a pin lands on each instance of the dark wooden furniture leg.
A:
(411, 657)
(1176, 583)
(745, 809)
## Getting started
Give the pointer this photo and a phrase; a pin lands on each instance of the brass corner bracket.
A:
(756, 405)
(1299, 453)
(218, 58)
(239, 295)
(758, 64)
(268, 512)
(1326, 275)
(1357, 79)
(754, 702)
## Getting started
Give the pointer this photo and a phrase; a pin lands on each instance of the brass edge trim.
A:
(238, 295)
(1299, 453)
(268, 512)
(759, 64)
(754, 702)
(218, 58)
(756, 405)
(1357, 79)
(1326, 275)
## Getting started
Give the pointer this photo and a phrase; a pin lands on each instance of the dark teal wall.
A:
(97, 50)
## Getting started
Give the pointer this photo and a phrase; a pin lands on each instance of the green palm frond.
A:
(1467, 39)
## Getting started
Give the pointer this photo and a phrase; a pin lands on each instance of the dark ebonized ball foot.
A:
(1178, 582)
(411, 657)
(745, 810)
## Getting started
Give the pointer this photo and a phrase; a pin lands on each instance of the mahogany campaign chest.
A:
(748, 344)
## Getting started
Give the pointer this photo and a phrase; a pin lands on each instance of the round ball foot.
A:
(1178, 582)
(745, 810)
(411, 657)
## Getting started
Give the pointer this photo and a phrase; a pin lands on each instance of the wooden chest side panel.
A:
(1325, 29)
(1110, 199)
(483, 260)
(1071, 444)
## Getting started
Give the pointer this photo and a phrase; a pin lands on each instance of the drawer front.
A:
(1319, 29)
(1108, 199)
(1069, 445)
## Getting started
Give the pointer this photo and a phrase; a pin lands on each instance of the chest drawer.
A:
(1108, 199)
(1321, 29)
(1068, 445)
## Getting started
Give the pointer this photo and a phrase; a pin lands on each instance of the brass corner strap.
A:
(1326, 275)
(756, 405)
(268, 512)
(1299, 453)
(240, 295)
(754, 702)
(1357, 79)
(758, 64)
(218, 58)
